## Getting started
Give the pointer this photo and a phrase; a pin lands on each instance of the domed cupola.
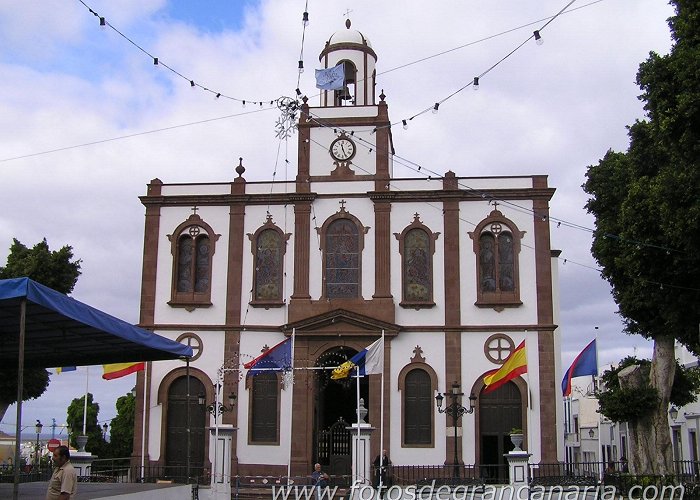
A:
(352, 49)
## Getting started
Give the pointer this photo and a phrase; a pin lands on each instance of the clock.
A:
(342, 149)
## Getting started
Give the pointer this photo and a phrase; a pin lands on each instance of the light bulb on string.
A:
(103, 23)
(476, 83)
(538, 37)
(435, 108)
(192, 84)
(155, 61)
(305, 19)
(243, 104)
(301, 66)
(405, 124)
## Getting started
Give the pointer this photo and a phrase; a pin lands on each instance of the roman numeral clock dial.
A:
(342, 149)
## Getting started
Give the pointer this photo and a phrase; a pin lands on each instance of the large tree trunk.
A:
(650, 437)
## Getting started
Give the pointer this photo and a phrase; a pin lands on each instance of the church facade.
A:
(444, 268)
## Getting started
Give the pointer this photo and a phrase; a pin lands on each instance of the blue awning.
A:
(61, 331)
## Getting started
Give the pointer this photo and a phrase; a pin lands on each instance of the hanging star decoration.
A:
(286, 123)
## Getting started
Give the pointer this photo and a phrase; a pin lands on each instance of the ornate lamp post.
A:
(37, 428)
(218, 408)
(105, 428)
(455, 410)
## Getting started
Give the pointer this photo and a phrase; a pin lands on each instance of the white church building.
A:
(339, 255)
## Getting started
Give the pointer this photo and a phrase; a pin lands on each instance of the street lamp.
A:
(37, 428)
(105, 428)
(455, 410)
(218, 408)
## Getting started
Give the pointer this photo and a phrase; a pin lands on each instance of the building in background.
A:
(455, 271)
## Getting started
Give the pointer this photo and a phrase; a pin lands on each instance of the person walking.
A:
(64, 480)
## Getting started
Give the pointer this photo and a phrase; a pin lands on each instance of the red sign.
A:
(53, 444)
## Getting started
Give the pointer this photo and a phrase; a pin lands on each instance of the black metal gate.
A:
(334, 448)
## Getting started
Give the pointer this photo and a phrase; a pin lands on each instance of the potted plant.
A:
(517, 438)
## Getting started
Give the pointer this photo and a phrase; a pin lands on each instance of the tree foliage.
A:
(646, 204)
(74, 419)
(122, 432)
(50, 268)
(55, 269)
(627, 405)
(647, 201)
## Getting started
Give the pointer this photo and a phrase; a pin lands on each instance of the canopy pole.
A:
(189, 422)
(20, 391)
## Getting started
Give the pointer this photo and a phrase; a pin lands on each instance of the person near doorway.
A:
(381, 472)
(63, 483)
(319, 479)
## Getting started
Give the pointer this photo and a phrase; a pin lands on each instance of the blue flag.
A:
(331, 78)
(277, 358)
(586, 363)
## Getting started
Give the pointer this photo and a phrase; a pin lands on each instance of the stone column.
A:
(361, 459)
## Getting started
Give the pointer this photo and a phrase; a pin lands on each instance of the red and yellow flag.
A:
(514, 365)
(116, 370)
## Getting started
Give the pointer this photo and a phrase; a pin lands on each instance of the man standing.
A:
(63, 483)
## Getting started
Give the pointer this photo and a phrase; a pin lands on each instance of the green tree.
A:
(122, 431)
(54, 269)
(75, 418)
(647, 231)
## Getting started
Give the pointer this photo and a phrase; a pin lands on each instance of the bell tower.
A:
(348, 136)
(353, 50)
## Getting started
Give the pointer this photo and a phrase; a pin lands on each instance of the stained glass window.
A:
(342, 260)
(192, 248)
(268, 265)
(497, 245)
(417, 269)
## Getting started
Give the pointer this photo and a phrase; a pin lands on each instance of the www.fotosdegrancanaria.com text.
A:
(359, 491)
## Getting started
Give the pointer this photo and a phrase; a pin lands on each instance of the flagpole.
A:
(291, 408)
(381, 426)
(357, 451)
(87, 380)
(143, 424)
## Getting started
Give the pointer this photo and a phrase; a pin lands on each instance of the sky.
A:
(88, 120)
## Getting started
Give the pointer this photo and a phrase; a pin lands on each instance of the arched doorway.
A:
(335, 408)
(499, 412)
(176, 433)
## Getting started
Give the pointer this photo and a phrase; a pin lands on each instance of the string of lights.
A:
(420, 169)
(104, 23)
(536, 35)
(397, 159)
(129, 136)
(305, 17)
(304, 23)
(563, 260)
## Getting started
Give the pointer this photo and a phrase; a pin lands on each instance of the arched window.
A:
(269, 244)
(418, 408)
(264, 409)
(192, 247)
(417, 383)
(346, 96)
(417, 246)
(497, 245)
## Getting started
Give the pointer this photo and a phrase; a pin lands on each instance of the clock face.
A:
(342, 149)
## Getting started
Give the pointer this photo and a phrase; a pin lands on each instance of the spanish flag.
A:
(514, 365)
(117, 370)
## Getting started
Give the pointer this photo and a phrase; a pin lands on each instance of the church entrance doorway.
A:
(176, 439)
(499, 412)
(335, 409)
